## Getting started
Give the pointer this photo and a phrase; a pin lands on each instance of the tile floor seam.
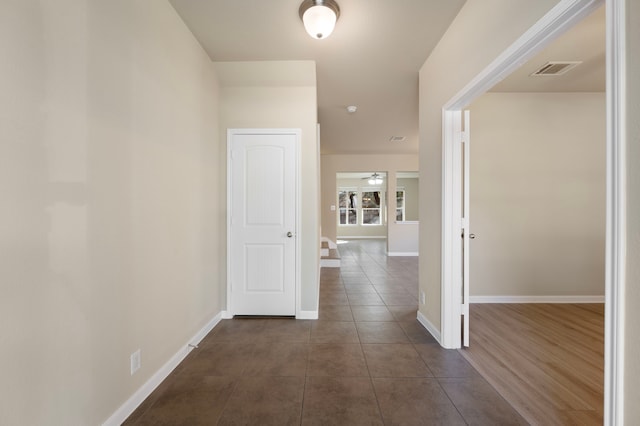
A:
(451, 400)
(377, 400)
(224, 406)
(304, 396)
(422, 359)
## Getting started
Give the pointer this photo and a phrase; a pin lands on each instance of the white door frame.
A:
(297, 133)
(562, 17)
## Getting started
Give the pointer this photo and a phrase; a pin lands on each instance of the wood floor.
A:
(546, 360)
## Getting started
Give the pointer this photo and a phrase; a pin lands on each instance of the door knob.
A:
(289, 234)
(472, 236)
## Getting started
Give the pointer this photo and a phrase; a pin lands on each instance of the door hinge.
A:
(464, 308)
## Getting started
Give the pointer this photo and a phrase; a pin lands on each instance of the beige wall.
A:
(482, 30)
(538, 194)
(632, 296)
(107, 216)
(278, 94)
(332, 164)
(412, 197)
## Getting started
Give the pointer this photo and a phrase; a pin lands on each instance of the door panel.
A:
(262, 235)
(265, 175)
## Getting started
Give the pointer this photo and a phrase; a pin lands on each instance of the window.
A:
(361, 206)
(371, 208)
(400, 205)
(348, 207)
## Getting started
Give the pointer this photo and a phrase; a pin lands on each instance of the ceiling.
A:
(371, 60)
(584, 42)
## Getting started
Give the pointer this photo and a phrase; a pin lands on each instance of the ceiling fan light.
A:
(375, 179)
(319, 17)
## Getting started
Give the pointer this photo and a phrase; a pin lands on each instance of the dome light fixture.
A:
(319, 17)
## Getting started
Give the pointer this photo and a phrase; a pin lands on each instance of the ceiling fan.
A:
(374, 179)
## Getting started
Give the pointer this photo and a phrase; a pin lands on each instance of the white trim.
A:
(429, 326)
(451, 278)
(298, 203)
(228, 311)
(615, 275)
(364, 237)
(403, 253)
(536, 299)
(298, 272)
(559, 19)
(307, 315)
(154, 381)
(226, 315)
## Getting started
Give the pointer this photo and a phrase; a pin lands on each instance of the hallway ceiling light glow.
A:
(319, 17)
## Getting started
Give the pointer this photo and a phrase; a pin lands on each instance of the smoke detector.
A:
(555, 68)
(352, 108)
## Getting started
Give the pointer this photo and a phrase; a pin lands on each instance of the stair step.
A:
(329, 263)
(333, 254)
(332, 260)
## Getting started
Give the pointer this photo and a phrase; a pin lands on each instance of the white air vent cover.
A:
(397, 138)
(555, 68)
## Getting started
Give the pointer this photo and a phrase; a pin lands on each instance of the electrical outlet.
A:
(422, 297)
(135, 361)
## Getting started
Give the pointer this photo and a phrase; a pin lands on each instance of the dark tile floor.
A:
(366, 360)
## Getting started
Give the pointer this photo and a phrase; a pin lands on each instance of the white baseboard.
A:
(403, 253)
(226, 315)
(307, 315)
(430, 327)
(536, 299)
(145, 390)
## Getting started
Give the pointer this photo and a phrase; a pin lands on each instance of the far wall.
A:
(360, 230)
(538, 194)
(391, 164)
(411, 197)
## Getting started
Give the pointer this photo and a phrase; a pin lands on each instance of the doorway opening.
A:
(559, 19)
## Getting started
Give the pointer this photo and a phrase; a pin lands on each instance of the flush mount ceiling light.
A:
(319, 17)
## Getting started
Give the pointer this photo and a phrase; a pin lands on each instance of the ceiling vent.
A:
(555, 68)
(397, 138)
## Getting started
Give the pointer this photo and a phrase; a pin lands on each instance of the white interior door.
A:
(262, 226)
(467, 236)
